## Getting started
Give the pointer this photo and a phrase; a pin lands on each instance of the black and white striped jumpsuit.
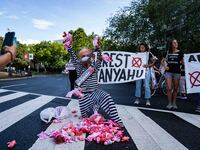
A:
(94, 97)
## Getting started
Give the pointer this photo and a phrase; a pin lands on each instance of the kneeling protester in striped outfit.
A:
(87, 70)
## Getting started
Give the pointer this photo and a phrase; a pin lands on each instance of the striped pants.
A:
(99, 99)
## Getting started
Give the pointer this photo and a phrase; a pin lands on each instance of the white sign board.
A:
(125, 67)
(30, 56)
(192, 72)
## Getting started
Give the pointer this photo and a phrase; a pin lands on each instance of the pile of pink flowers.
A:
(99, 130)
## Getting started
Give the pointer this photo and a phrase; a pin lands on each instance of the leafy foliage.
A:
(50, 56)
(156, 22)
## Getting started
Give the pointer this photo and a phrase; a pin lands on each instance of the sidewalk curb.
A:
(10, 79)
(20, 78)
(46, 75)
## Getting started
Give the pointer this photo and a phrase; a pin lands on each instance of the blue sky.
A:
(36, 20)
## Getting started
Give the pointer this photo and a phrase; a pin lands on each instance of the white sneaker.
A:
(183, 97)
(169, 106)
(198, 110)
(137, 101)
(174, 106)
(148, 103)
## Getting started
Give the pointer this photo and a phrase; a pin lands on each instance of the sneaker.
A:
(137, 101)
(198, 110)
(169, 106)
(183, 97)
(148, 103)
(174, 106)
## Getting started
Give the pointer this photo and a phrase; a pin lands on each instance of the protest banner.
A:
(192, 72)
(125, 67)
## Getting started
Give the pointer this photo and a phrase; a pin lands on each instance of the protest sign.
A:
(125, 67)
(192, 72)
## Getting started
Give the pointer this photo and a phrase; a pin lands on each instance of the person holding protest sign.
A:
(174, 60)
(87, 68)
(144, 48)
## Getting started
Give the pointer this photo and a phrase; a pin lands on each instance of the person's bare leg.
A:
(169, 93)
(176, 85)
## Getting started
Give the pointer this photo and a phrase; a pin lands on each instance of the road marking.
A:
(14, 85)
(12, 96)
(139, 135)
(191, 118)
(144, 131)
(39, 94)
(59, 79)
(3, 90)
(13, 115)
(159, 110)
(164, 140)
(50, 145)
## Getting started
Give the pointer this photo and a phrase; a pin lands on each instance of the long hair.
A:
(145, 45)
(170, 45)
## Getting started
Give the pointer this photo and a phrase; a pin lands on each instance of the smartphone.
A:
(8, 40)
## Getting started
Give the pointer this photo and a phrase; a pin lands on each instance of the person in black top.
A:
(72, 74)
(174, 60)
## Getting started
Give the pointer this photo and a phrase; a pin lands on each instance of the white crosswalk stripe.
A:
(145, 132)
(141, 138)
(151, 129)
(17, 113)
(3, 90)
(191, 118)
(12, 96)
(48, 144)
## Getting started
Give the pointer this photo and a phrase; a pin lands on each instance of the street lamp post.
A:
(30, 57)
(29, 60)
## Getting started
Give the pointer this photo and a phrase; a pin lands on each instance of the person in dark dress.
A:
(72, 74)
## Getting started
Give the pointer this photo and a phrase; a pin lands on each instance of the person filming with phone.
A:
(8, 50)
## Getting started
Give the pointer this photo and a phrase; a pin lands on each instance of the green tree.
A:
(181, 21)
(51, 55)
(1, 41)
(19, 61)
(80, 39)
(129, 26)
(58, 56)
(156, 22)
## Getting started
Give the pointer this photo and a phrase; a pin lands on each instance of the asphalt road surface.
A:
(153, 128)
